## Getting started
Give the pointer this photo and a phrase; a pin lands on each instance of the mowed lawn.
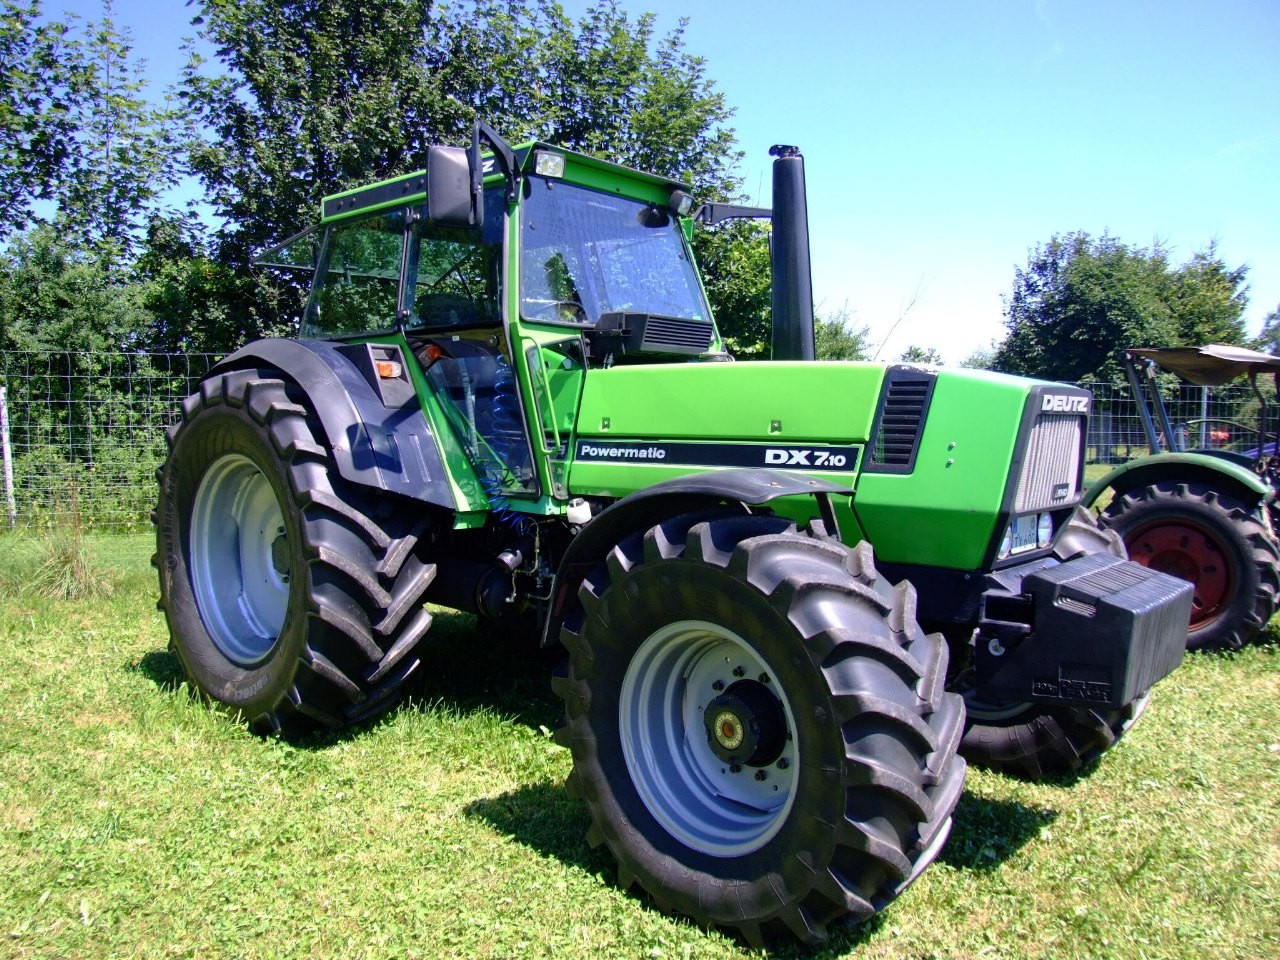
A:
(137, 822)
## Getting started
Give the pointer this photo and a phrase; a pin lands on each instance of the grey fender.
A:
(379, 436)
(732, 489)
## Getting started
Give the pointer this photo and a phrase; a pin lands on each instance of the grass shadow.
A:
(985, 832)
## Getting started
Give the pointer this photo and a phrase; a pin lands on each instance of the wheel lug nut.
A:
(764, 678)
(735, 768)
(718, 685)
(761, 775)
(739, 672)
(783, 763)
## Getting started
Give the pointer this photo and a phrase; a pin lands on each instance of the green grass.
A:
(137, 822)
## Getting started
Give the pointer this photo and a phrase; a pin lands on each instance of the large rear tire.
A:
(1212, 539)
(293, 598)
(758, 725)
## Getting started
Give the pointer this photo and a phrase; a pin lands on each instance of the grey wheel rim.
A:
(708, 804)
(239, 559)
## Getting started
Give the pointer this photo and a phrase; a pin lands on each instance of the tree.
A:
(126, 149)
(734, 259)
(37, 126)
(836, 339)
(322, 95)
(979, 360)
(76, 129)
(58, 295)
(921, 356)
(1269, 339)
(1080, 300)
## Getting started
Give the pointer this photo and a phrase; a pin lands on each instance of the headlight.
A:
(1044, 530)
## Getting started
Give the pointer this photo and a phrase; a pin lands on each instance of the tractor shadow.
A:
(468, 666)
(985, 833)
(465, 667)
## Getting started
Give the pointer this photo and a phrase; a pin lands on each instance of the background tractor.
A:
(1202, 506)
(510, 398)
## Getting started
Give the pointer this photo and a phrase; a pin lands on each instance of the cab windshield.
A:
(585, 253)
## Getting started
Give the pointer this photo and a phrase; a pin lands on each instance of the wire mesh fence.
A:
(1200, 418)
(83, 434)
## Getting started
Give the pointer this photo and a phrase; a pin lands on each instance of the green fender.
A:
(1215, 471)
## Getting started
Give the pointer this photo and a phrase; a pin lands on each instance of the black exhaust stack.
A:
(789, 255)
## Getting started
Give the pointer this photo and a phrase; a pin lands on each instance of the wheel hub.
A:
(691, 722)
(746, 725)
(1184, 550)
(240, 559)
(280, 556)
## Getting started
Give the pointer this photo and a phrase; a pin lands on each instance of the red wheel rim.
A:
(1189, 551)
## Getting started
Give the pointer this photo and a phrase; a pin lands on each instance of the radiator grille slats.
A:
(1050, 469)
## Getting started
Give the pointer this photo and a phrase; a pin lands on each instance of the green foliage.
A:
(1269, 339)
(76, 129)
(921, 355)
(979, 360)
(1080, 300)
(37, 124)
(734, 260)
(836, 339)
(57, 294)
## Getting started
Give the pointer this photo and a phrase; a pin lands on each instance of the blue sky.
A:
(943, 141)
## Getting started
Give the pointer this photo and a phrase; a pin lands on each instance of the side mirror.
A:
(449, 196)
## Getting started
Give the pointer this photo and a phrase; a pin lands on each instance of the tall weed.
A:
(65, 570)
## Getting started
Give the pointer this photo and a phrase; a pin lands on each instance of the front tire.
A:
(1194, 532)
(1034, 740)
(758, 725)
(290, 599)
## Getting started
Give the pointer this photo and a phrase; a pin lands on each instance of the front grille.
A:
(1051, 467)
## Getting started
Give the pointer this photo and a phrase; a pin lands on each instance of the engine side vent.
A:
(900, 419)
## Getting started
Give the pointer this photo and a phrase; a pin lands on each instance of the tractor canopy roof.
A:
(1211, 365)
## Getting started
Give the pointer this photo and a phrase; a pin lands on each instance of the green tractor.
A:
(510, 398)
(1199, 511)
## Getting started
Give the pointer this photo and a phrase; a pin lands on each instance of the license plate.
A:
(1024, 533)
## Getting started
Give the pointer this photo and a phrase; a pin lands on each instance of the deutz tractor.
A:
(509, 397)
(1203, 512)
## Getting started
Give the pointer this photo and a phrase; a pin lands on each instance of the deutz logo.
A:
(1064, 403)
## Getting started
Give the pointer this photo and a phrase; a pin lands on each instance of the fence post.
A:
(7, 456)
